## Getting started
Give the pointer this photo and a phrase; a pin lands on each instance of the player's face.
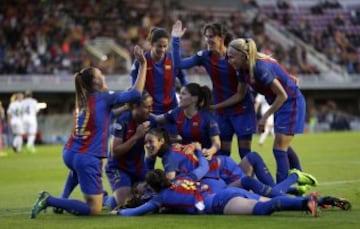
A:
(146, 107)
(152, 144)
(99, 80)
(236, 58)
(159, 48)
(186, 99)
(213, 41)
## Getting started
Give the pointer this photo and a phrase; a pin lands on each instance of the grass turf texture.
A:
(333, 158)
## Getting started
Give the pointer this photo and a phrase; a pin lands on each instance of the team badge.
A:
(118, 126)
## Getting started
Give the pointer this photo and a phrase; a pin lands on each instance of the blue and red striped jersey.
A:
(265, 71)
(160, 82)
(199, 128)
(91, 132)
(133, 162)
(222, 76)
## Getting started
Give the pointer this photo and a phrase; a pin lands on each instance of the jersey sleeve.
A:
(263, 73)
(203, 167)
(121, 97)
(180, 63)
(119, 127)
(149, 206)
(169, 163)
(170, 115)
(134, 72)
(213, 126)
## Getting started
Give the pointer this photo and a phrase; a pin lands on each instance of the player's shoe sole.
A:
(330, 201)
(312, 204)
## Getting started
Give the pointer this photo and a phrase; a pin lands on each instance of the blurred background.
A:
(44, 42)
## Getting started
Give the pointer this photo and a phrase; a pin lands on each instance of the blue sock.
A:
(282, 165)
(280, 203)
(70, 184)
(293, 159)
(285, 185)
(243, 152)
(293, 191)
(75, 207)
(110, 202)
(250, 183)
(260, 169)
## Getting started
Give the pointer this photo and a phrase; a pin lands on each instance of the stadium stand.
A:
(42, 43)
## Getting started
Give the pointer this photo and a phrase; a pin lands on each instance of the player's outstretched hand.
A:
(139, 54)
(177, 29)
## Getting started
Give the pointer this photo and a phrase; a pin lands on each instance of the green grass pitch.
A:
(334, 158)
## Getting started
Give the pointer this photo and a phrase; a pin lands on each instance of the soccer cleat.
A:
(30, 150)
(304, 178)
(302, 189)
(312, 204)
(330, 201)
(40, 204)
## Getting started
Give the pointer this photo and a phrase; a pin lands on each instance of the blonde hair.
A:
(248, 47)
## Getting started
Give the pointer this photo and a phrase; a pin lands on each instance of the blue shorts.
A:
(118, 178)
(290, 118)
(215, 185)
(243, 125)
(222, 198)
(88, 170)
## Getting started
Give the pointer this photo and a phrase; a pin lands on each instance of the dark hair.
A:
(157, 180)
(219, 30)
(83, 86)
(203, 93)
(157, 33)
(161, 133)
(139, 101)
(28, 94)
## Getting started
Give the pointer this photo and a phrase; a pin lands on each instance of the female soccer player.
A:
(126, 163)
(15, 121)
(193, 120)
(160, 73)
(266, 76)
(178, 159)
(188, 196)
(30, 110)
(87, 145)
(238, 118)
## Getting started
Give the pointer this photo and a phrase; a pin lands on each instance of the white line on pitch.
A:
(329, 183)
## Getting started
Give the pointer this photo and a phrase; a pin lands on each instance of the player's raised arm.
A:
(141, 78)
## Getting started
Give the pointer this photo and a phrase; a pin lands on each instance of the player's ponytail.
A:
(252, 54)
(206, 97)
(83, 86)
(202, 92)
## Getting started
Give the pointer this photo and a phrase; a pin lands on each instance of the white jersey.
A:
(15, 110)
(15, 114)
(30, 109)
(264, 106)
